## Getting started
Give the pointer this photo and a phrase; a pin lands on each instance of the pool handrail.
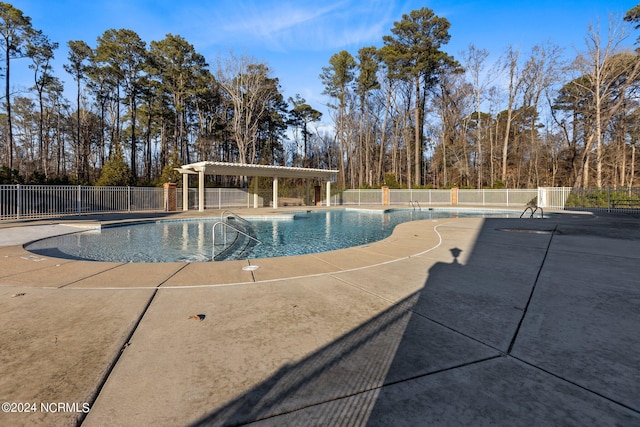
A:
(225, 223)
(533, 211)
(233, 215)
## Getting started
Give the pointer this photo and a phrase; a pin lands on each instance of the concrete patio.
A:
(511, 322)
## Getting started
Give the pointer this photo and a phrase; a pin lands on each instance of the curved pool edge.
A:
(49, 272)
(124, 248)
(407, 240)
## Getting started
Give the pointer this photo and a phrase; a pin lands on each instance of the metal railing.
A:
(243, 237)
(533, 211)
(425, 197)
(550, 197)
(220, 198)
(494, 197)
(41, 201)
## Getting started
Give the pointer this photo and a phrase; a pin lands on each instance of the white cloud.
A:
(295, 26)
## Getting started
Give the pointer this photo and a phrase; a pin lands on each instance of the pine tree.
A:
(115, 170)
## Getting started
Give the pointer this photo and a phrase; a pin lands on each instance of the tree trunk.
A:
(383, 138)
(505, 147)
(8, 100)
(418, 134)
(633, 164)
(598, 136)
(622, 156)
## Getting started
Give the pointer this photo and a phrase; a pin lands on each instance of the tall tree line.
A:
(139, 111)
(527, 119)
(404, 114)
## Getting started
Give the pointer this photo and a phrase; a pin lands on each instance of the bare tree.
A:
(515, 84)
(540, 72)
(606, 71)
(474, 65)
(248, 87)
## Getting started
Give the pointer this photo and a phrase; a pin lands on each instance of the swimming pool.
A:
(192, 240)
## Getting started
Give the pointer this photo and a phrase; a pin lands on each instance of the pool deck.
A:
(510, 322)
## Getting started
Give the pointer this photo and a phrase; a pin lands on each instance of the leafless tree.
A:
(607, 72)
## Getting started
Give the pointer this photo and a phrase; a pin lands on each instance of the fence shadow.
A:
(450, 322)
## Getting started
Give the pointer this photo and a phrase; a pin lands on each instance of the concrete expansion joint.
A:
(533, 289)
(172, 275)
(89, 275)
(383, 386)
(575, 384)
(116, 359)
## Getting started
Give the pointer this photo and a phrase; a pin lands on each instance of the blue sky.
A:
(297, 38)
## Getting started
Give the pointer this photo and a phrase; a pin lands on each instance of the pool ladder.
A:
(415, 203)
(533, 211)
(244, 237)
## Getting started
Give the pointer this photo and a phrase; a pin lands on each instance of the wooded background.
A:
(406, 114)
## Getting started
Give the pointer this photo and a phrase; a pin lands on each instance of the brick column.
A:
(170, 197)
(385, 195)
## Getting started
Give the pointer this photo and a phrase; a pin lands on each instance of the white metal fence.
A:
(358, 197)
(553, 197)
(544, 197)
(423, 197)
(505, 197)
(220, 198)
(41, 201)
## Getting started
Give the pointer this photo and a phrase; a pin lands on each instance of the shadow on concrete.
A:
(457, 352)
(52, 252)
(117, 216)
(102, 217)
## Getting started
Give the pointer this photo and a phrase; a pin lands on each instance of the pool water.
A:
(192, 240)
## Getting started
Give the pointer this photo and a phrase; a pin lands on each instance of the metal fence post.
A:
(18, 201)
(541, 202)
(79, 200)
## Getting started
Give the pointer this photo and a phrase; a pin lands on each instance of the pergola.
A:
(239, 169)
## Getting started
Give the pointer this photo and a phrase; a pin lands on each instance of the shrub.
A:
(115, 171)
